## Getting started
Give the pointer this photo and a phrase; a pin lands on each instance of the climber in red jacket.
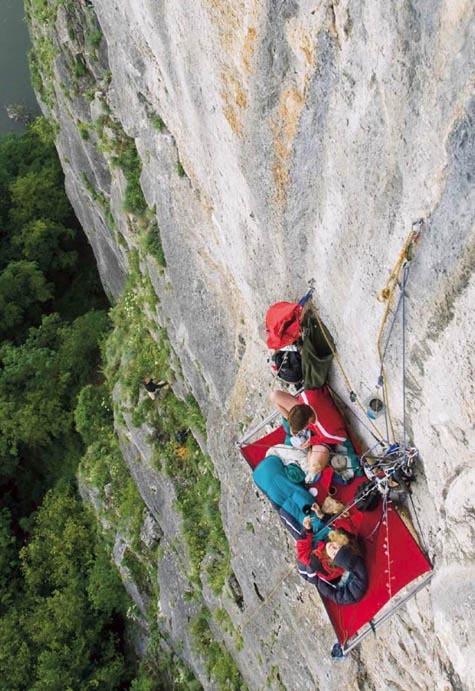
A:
(334, 566)
(314, 412)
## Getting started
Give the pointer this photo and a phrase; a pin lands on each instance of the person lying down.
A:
(314, 419)
(335, 565)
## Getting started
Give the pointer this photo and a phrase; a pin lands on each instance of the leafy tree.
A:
(20, 154)
(8, 558)
(61, 600)
(39, 196)
(47, 243)
(23, 288)
(62, 629)
(15, 651)
(40, 379)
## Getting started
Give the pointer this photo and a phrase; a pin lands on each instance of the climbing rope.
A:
(405, 255)
(403, 293)
(386, 545)
(380, 439)
(352, 395)
(387, 295)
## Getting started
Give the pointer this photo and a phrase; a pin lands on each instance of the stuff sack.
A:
(283, 324)
(317, 351)
(287, 365)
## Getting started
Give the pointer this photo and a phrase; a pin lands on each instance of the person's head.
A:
(299, 417)
(332, 506)
(338, 539)
(332, 549)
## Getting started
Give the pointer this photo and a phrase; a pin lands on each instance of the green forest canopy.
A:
(62, 603)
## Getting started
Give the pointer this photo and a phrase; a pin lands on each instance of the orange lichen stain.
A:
(307, 48)
(248, 48)
(227, 17)
(302, 44)
(285, 128)
(234, 22)
(234, 100)
(233, 120)
(285, 122)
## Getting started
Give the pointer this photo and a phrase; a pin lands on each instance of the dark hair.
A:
(299, 417)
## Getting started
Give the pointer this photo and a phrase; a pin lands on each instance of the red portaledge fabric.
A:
(392, 556)
(283, 324)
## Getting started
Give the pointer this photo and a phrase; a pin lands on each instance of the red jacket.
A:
(329, 426)
(317, 558)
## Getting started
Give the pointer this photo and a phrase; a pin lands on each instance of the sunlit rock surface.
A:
(300, 140)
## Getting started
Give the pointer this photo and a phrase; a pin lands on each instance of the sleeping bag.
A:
(292, 501)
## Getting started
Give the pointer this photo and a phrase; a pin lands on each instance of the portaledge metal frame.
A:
(375, 623)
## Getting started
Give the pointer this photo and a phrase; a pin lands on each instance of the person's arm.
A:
(318, 457)
(356, 585)
(303, 545)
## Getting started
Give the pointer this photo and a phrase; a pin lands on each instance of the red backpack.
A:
(283, 324)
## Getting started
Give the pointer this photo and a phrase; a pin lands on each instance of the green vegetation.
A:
(103, 468)
(42, 14)
(274, 681)
(224, 621)
(180, 170)
(63, 618)
(136, 348)
(162, 670)
(57, 629)
(78, 53)
(94, 37)
(44, 11)
(152, 244)
(131, 354)
(102, 464)
(122, 152)
(129, 160)
(100, 198)
(84, 128)
(80, 69)
(157, 122)
(62, 605)
(219, 664)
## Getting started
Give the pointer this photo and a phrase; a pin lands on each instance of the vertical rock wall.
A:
(282, 141)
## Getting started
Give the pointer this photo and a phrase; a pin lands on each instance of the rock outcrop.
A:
(276, 142)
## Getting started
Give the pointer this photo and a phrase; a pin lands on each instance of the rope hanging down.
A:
(352, 395)
(387, 295)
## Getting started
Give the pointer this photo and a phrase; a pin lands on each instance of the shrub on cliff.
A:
(129, 160)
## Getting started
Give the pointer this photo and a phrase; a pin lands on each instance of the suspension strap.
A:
(379, 438)
(403, 294)
(353, 396)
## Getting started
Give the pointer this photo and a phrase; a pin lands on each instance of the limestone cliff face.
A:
(281, 141)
